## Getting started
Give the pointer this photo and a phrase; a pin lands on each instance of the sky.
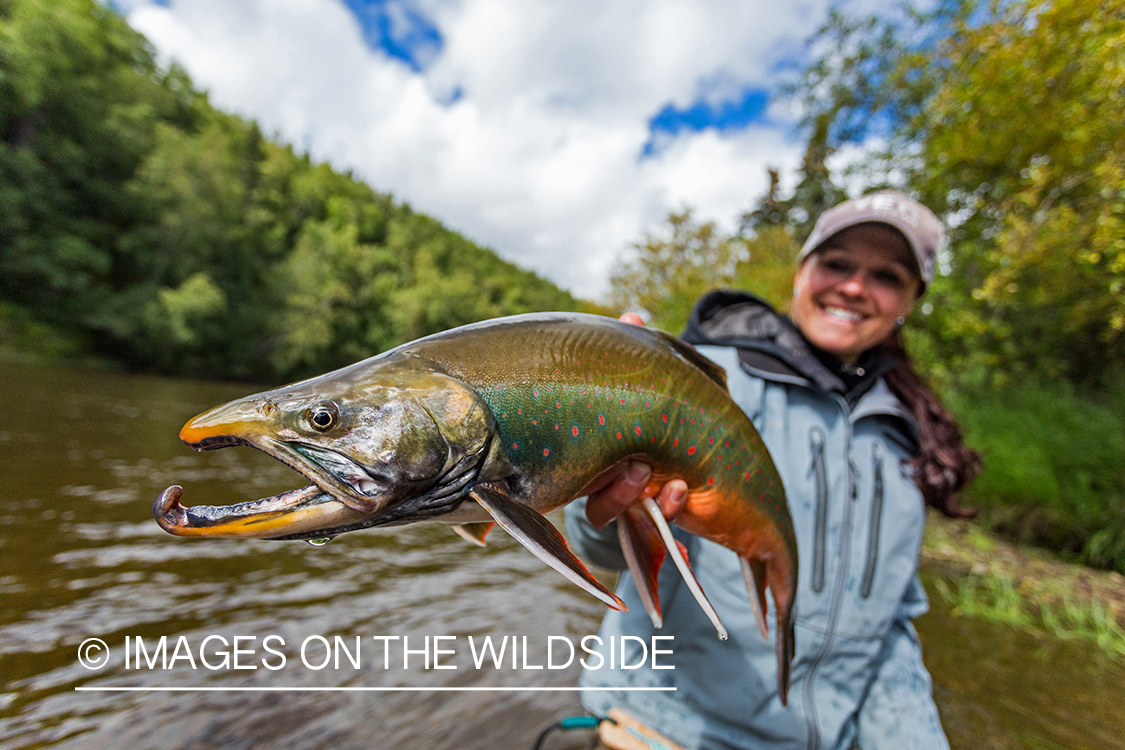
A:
(555, 133)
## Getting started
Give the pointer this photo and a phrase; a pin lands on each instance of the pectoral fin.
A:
(474, 532)
(538, 534)
(644, 553)
(680, 559)
(754, 574)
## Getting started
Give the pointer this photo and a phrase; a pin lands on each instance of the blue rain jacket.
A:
(842, 449)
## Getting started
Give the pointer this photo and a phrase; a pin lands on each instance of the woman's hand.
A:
(632, 483)
(629, 486)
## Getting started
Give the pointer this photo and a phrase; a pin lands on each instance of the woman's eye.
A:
(837, 266)
(889, 279)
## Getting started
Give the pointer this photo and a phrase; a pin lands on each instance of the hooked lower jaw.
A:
(307, 511)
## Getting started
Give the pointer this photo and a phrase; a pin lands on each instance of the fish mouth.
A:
(305, 513)
(322, 509)
(341, 497)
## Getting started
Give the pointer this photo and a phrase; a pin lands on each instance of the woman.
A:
(862, 445)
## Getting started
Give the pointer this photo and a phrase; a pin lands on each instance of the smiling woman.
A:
(862, 445)
(855, 290)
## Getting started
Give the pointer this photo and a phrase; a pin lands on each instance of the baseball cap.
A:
(922, 229)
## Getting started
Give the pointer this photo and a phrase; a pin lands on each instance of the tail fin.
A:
(783, 595)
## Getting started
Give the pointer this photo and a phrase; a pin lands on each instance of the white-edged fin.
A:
(643, 551)
(474, 532)
(755, 577)
(681, 563)
(545, 542)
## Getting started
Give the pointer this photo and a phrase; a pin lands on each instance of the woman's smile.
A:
(850, 294)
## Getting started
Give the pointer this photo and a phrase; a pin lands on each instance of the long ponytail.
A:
(944, 464)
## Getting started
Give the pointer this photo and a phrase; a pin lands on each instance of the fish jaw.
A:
(397, 445)
(305, 513)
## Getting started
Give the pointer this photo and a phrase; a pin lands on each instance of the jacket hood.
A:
(771, 345)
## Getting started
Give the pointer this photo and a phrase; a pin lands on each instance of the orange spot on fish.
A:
(601, 420)
(546, 451)
(638, 430)
(619, 436)
(691, 451)
(574, 431)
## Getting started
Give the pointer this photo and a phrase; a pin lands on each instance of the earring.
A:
(899, 322)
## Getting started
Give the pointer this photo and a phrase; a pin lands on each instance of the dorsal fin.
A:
(688, 352)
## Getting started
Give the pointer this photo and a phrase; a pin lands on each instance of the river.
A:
(83, 454)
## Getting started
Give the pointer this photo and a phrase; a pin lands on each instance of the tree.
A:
(1009, 120)
(169, 236)
(668, 272)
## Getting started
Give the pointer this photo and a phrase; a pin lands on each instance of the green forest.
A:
(142, 227)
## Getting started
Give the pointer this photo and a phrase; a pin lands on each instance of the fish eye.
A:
(323, 416)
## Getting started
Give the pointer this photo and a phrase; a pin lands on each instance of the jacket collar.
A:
(770, 345)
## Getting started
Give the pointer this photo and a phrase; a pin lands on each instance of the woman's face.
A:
(849, 294)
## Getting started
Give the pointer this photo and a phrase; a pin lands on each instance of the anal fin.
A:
(644, 553)
(543, 540)
(754, 574)
(680, 559)
(474, 532)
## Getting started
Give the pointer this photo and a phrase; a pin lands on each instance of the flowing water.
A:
(83, 454)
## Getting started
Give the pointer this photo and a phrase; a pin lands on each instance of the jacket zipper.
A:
(820, 531)
(873, 530)
(837, 591)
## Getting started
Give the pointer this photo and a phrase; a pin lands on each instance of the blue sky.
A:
(555, 133)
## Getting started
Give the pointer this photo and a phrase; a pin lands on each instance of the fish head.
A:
(366, 438)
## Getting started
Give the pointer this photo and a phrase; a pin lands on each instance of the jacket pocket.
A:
(820, 530)
(874, 525)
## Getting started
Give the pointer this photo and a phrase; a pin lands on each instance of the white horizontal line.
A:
(115, 689)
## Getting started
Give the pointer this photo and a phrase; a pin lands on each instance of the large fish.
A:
(501, 422)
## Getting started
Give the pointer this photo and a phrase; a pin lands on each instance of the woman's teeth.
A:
(842, 314)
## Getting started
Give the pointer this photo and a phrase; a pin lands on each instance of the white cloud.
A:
(539, 157)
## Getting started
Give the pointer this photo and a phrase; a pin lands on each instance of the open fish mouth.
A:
(324, 508)
(305, 513)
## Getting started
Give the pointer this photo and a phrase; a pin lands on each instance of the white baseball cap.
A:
(918, 224)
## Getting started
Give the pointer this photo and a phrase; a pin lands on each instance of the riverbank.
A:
(982, 575)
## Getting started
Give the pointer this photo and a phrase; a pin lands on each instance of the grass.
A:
(1053, 458)
(987, 577)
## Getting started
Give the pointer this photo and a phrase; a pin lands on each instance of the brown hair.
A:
(944, 464)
